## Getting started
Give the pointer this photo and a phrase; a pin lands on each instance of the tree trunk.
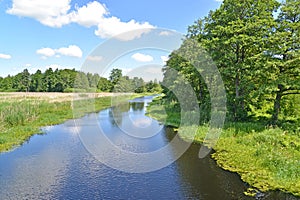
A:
(237, 97)
(277, 103)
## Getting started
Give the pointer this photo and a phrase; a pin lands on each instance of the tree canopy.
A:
(256, 52)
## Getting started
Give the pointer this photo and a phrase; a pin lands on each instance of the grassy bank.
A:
(20, 117)
(268, 158)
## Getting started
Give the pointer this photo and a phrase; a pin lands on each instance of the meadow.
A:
(23, 114)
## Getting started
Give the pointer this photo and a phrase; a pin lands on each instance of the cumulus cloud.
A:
(5, 56)
(142, 57)
(71, 50)
(56, 13)
(89, 15)
(109, 27)
(48, 52)
(50, 13)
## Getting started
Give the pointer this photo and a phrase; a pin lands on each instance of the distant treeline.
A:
(69, 80)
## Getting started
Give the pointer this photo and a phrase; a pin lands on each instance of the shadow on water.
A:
(57, 166)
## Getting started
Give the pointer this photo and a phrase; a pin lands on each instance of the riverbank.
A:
(267, 158)
(23, 114)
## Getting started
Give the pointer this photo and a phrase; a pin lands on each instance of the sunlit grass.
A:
(20, 118)
(268, 158)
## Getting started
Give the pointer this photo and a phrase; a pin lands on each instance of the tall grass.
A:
(21, 118)
(18, 113)
(268, 158)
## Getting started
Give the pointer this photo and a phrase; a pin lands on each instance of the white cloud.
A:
(89, 15)
(219, 0)
(94, 58)
(165, 33)
(56, 13)
(114, 27)
(50, 13)
(164, 59)
(5, 56)
(71, 50)
(28, 65)
(47, 52)
(142, 57)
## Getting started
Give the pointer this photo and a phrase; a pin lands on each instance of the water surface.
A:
(57, 165)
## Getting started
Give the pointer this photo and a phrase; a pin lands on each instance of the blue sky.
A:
(38, 34)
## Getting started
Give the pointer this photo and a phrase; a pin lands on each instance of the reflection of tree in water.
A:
(116, 113)
(137, 106)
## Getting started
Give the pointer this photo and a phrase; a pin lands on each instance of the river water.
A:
(57, 164)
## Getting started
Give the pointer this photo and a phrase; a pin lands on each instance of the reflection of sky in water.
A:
(34, 170)
(57, 166)
(131, 130)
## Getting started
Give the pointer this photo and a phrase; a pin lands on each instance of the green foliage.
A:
(256, 54)
(67, 80)
(115, 76)
(104, 85)
(124, 84)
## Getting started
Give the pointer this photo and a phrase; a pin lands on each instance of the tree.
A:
(67, 77)
(21, 81)
(153, 87)
(236, 33)
(115, 76)
(124, 85)
(36, 82)
(7, 83)
(233, 35)
(93, 79)
(139, 85)
(104, 85)
(282, 58)
(81, 81)
(48, 80)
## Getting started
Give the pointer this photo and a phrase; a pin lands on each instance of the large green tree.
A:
(235, 35)
(284, 55)
(36, 82)
(115, 76)
(104, 85)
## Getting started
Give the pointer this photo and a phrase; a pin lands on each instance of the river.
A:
(56, 165)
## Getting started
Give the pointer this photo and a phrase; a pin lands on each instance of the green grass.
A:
(22, 118)
(268, 158)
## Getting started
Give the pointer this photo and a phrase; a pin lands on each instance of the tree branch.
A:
(289, 93)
